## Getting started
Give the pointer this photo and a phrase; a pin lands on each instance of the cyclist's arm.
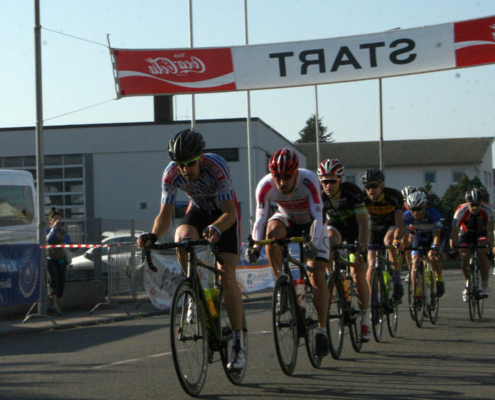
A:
(228, 217)
(454, 236)
(489, 228)
(437, 237)
(362, 220)
(262, 210)
(399, 224)
(162, 220)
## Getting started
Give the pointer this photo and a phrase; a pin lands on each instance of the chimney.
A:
(164, 109)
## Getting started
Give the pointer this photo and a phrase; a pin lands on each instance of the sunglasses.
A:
(284, 177)
(416, 208)
(189, 163)
(475, 204)
(329, 181)
(371, 186)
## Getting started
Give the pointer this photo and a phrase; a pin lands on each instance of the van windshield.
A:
(16, 205)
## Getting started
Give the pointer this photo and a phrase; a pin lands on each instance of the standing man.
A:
(212, 212)
(296, 191)
(347, 220)
(385, 207)
(473, 224)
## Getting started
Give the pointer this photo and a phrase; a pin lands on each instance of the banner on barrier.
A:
(19, 274)
(386, 54)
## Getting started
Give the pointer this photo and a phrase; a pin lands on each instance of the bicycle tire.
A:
(354, 319)
(419, 296)
(472, 289)
(410, 291)
(335, 317)
(189, 340)
(434, 305)
(377, 301)
(226, 335)
(310, 328)
(285, 327)
(480, 302)
(392, 316)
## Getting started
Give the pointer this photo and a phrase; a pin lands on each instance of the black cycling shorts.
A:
(229, 241)
(470, 237)
(377, 234)
(349, 232)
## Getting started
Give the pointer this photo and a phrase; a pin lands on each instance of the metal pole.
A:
(39, 158)
(249, 152)
(381, 127)
(191, 43)
(317, 129)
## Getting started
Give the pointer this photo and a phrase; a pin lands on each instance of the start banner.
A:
(19, 274)
(391, 53)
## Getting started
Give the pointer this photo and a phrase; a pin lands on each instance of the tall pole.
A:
(249, 152)
(381, 126)
(191, 43)
(40, 190)
(317, 129)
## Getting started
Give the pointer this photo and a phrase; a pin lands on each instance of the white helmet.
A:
(416, 199)
(408, 190)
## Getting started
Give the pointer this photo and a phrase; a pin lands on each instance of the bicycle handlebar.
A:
(279, 241)
(381, 247)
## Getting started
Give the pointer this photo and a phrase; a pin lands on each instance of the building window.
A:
(457, 176)
(431, 177)
(350, 178)
(229, 155)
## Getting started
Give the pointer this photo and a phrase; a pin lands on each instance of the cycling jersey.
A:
(213, 185)
(302, 206)
(350, 203)
(424, 227)
(471, 223)
(382, 213)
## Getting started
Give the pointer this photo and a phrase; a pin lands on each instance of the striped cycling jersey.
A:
(425, 226)
(213, 185)
(473, 223)
(303, 205)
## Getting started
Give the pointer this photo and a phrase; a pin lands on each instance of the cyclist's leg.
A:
(182, 232)
(233, 296)
(408, 243)
(321, 295)
(276, 228)
(484, 262)
(398, 289)
(335, 239)
(376, 237)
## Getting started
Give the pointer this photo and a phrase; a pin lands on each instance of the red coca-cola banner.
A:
(313, 62)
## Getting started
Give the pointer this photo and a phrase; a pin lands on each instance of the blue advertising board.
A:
(19, 274)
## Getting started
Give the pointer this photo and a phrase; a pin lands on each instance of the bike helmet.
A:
(416, 199)
(186, 145)
(372, 175)
(474, 196)
(331, 167)
(408, 190)
(284, 162)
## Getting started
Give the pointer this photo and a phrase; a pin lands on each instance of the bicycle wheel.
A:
(335, 317)
(473, 291)
(434, 300)
(354, 318)
(189, 339)
(410, 291)
(419, 296)
(311, 324)
(480, 302)
(392, 315)
(227, 335)
(377, 301)
(284, 319)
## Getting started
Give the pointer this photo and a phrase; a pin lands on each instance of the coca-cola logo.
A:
(163, 65)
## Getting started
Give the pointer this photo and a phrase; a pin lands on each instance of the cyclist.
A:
(406, 192)
(384, 206)
(296, 191)
(347, 220)
(212, 212)
(473, 224)
(424, 225)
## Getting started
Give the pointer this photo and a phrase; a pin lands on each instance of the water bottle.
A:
(346, 290)
(301, 293)
(211, 304)
(386, 279)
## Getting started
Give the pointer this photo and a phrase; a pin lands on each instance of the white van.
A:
(18, 211)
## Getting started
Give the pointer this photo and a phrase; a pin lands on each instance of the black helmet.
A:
(372, 175)
(186, 145)
(474, 196)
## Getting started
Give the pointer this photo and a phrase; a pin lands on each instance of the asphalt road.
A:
(454, 359)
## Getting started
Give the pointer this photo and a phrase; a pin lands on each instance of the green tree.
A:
(434, 200)
(308, 133)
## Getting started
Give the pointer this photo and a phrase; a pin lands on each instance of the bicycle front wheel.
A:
(311, 324)
(335, 317)
(377, 301)
(480, 302)
(392, 316)
(227, 337)
(434, 300)
(419, 296)
(284, 319)
(189, 339)
(473, 293)
(410, 291)
(354, 318)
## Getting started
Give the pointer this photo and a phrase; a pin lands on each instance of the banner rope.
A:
(81, 109)
(75, 37)
(85, 246)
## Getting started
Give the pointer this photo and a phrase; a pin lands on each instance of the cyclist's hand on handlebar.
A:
(397, 243)
(253, 255)
(212, 234)
(364, 256)
(147, 240)
(490, 255)
(453, 254)
(310, 251)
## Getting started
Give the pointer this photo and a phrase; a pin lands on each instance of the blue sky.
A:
(77, 74)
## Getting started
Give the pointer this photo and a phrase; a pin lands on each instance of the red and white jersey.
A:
(303, 205)
(469, 222)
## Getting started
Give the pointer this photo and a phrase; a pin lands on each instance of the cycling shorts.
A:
(471, 238)
(293, 229)
(377, 234)
(421, 241)
(229, 241)
(349, 232)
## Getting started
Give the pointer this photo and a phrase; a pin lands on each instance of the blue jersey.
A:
(213, 186)
(424, 227)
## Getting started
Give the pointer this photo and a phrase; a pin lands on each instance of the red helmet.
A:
(331, 167)
(284, 162)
